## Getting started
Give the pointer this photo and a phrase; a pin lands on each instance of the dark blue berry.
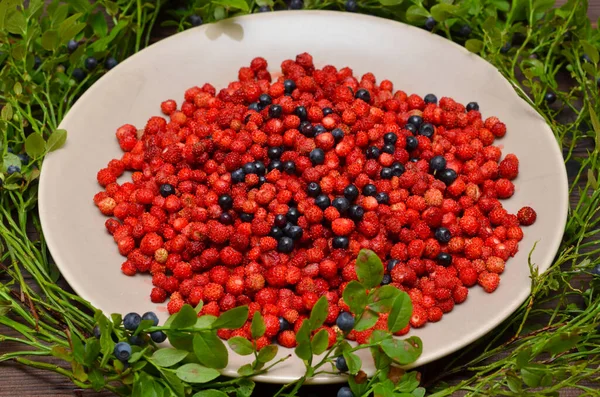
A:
(340, 364)
(255, 106)
(411, 143)
(345, 322)
(586, 58)
(289, 167)
(437, 163)
(246, 217)
(294, 232)
(285, 245)
(158, 336)
(391, 264)
(341, 204)
(505, 48)
(296, 4)
(472, 106)
(284, 325)
(91, 63)
(338, 134)
(373, 152)
(292, 215)
(327, 111)
(369, 190)
(345, 392)
(390, 138)
(225, 202)
(426, 130)
(430, 23)
(72, 45)
(110, 63)
(195, 20)
(259, 168)
(322, 202)
(12, 169)
(317, 156)
(249, 168)
(275, 165)
(280, 220)
(386, 279)
(464, 31)
(356, 212)
(37, 62)
(389, 148)
(265, 100)
(274, 152)
(136, 340)
(24, 158)
(340, 242)
(447, 176)
(415, 120)
(411, 128)
(550, 98)
(363, 94)
(382, 198)
(430, 98)
(313, 189)
(351, 6)
(442, 235)
(78, 74)
(319, 129)
(150, 316)
(351, 192)
(386, 173)
(275, 111)
(226, 219)
(306, 128)
(238, 176)
(596, 271)
(444, 259)
(96, 332)
(131, 321)
(122, 351)
(276, 233)
(264, 9)
(289, 86)
(397, 169)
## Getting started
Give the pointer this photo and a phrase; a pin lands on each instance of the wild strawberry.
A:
(460, 294)
(526, 216)
(434, 314)
(495, 265)
(342, 226)
(418, 317)
(175, 305)
(272, 325)
(212, 292)
(287, 338)
(489, 281)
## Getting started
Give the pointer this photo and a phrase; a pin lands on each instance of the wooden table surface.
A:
(18, 380)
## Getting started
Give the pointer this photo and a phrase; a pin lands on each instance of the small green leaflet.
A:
(241, 345)
(210, 393)
(232, 319)
(369, 268)
(210, 349)
(168, 357)
(320, 341)
(257, 328)
(267, 353)
(400, 314)
(186, 317)
(595, 125)
(382, 298)
(353, 362)
(195, 373)
(355, 296)
(318, 313)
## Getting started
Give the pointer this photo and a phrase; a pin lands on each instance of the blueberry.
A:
(464, 31)
(411, 143)
(225, 202)
(283, 324)
(301, 112)
(363, 94)
(472, 106)
(264, 9)
(78, 74)
(276, 232)
(414, 160)
(122, 351)
(195, 20)
(351, 192)
(596, 271)
(415, 120)
(598, 82)
(430, 98)
(319, 129)
(442, 235)
(110, 63)
(91, 63)
(356, 212)
(327, 111)
(280, 220)
(322, 202)
(24, 158)
(338, 134)
(275, 165)
(292, 215)
(96, 332)
(397, 169)
(158, 336)
(131, 321)
(386, 279)
(444, 259)
(275, 111)
(296, 4)
(317, 156)
(345, 392)
(369, 190)
(550, 98)
(249, 168)
(447, 176)
(505, 48)
(373, 152)
(426, 130)
(340, 364)
(72, 45)
(586, 58)
(289, 86)
(294, 232)
(238, 176)
(150, 316)
(37, 62)
(345, 322)
(137, 340)
(437, 163)
(289, 167)
(265, 100)
(430, 24)
(391, 264)
(246, 217)
(390, 138)
(259, 168)
(226, 219)
(166, 190)
(254, 106)
(382, 198)
(12, 169)
(340, 242)
(386, 173)
(274, 152)
(389, 148)
(306, 128)
(313, 189)
(285, 245)
(411, 128)
(341, 204)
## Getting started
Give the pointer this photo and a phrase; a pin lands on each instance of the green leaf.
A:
(382, 299)
(474, 45)
(267, 353)
(35, 146)
(262, 3)
(91, 351)
(181, 340)
(106, 343)
(562, 342)
(590, 51)
(70, 28)
(417, 14)
(205, 322)
(50, 40)
(369, 268)
(383, 390)
(210, 350)
(219, 13)
(400, 314)
(232, 319)
(408, 382)
(245, 388)
(353, 362)
(257, 328)
(210, 393)
(245, 370)
(595, 125)
(358, 389)
(523, 358)
(137, 355)
(318, 314)
(241, 345)
(62, 352)
(320, 342)
(530, 377)
(168, 357)
(304, 349)
(77, 348)
(7, 112)
(195, 373)
(144, 325)
(16, 23)
(237, 4)
(355, 296)
(366, 321)
(441, 12)
(116, 319)
(403, 351)
(186, 317)
(96, 378)
(514, 383)
(98, 23)
(390, 2)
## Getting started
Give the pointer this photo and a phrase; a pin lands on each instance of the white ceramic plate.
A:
(413, 59)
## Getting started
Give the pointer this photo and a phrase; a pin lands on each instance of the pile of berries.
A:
(262, 194)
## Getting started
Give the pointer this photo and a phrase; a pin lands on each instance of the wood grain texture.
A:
(18, 380)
